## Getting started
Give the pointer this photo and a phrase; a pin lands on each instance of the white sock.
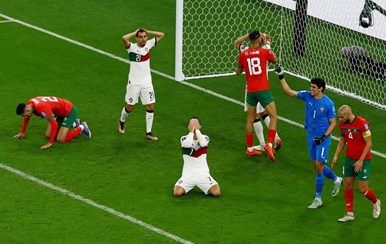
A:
(149, 121)
(258, 127)
(124, 115)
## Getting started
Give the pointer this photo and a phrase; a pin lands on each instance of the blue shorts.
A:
(318, 152)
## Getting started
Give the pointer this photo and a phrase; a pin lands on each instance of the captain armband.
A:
(367, 133)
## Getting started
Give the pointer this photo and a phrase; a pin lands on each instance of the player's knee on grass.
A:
(215, 190)
(178, 191)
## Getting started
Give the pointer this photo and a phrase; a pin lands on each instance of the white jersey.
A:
(139, 58)
(194, 153)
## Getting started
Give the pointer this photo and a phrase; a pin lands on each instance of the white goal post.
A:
(313, 38)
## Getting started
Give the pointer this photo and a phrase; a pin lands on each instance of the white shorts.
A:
(259, 108)
(203, 181)
(145, 91)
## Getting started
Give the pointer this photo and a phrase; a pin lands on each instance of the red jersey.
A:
(254, 61)
(354, 133)
(48, 108)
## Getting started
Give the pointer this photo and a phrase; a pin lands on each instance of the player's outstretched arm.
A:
(280, 72)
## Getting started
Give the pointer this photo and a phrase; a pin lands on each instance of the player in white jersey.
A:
(139, 82)
(195, 171)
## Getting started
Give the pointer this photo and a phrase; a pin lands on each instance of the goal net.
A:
(312, 38)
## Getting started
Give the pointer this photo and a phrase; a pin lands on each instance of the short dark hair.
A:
(253, 35)
(140, 30)
(194, 117)
(20, 108)
(319, 82)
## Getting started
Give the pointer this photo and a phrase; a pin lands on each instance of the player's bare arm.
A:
(239, 70)
(126, 38)
(358, 164)
(240, 40)
(331, 127)
(280, 73)
(157, 34)
(287, 88)
(339, 148)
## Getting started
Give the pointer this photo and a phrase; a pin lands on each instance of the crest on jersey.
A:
(366, 126)
(321, 109)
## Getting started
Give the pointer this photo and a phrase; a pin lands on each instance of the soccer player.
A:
(254, 61)
(319, 122)
(61, 115)
(355, 133)
(260, 113)
(139, 82)
(195, 171)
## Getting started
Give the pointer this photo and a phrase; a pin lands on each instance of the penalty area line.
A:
(94, 204)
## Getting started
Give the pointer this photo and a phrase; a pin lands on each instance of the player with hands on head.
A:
(254, 62)
(261, 114)
(61, 115)
(195, 171)
(139, 84)
(355, 133)
(320, 121)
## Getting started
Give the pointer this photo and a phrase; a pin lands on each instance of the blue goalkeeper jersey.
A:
(318, 112)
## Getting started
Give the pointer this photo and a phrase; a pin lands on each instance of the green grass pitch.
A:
(262, 202)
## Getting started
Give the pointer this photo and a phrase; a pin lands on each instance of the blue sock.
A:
(329, 173)
(319, 182)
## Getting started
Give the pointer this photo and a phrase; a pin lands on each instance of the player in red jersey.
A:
(254, 62)
(355, 133)
(61, 115)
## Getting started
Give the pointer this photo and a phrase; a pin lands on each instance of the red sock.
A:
(271, 135)
(249, 138)
(349, 200)
(371, 196)
(73, 133)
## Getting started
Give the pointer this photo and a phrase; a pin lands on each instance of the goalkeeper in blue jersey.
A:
(319, 122)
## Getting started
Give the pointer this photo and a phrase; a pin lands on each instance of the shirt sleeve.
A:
(203, 140)
(54, 130)
(24, 126)
(187, 141)
(270, 56)
(151, 43)
(331, 112)
(301, 95)
(240, 61)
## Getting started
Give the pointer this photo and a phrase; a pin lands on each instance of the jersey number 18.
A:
(254, 66)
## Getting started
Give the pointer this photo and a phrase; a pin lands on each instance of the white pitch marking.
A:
(5, 21)
(154, 71)
(94, 204)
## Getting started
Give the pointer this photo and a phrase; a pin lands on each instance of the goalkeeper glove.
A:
(319, 139)
(280, 72)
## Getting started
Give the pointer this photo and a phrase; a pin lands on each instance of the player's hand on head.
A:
(264, 38)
